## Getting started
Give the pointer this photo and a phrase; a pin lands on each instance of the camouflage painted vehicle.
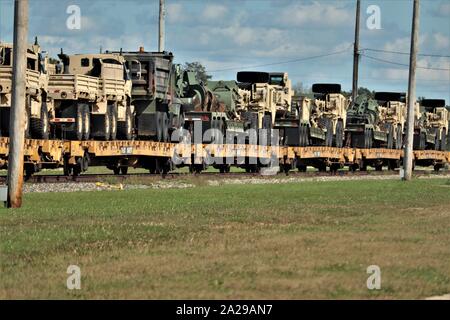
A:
(92, 97)
(157, 108)
(378, 122)
(215, 104)
(435, 120)
(39, 105)
(321, 118)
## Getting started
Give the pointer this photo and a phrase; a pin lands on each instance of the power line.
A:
(282, 62)
(402, 64)
(405, 53)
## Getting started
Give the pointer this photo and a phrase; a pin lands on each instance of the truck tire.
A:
(423, 141)
(106, 128)
(125, 128)
(267, 125)
(86, 122)
(165, 128)
(339, 137)
(329, 133)
(112, 121)
(159, 126)
(437, 142)
(40, 127)
(368, 138)
(399, 139)
(390, 137)
(444, 140)
(27, 123)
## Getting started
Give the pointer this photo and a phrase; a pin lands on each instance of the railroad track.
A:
(233, 175)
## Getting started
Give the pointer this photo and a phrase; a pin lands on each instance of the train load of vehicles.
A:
(145, 96)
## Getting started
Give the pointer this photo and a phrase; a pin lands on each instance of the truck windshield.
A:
(276, 80)
(5, 56)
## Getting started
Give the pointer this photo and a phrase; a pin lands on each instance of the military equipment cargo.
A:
(92, 97)
(39, 105)
(377, 122)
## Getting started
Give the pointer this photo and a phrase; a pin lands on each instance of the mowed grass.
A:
(287, 241)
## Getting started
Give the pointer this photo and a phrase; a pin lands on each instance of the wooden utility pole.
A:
(17, 117)
(356, 52)
(408, 157)
(162, 13)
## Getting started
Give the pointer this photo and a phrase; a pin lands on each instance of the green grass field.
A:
(294, 241)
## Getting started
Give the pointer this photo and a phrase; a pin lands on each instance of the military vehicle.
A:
(435, 120)
(216, 104)
(321, 118)
(39, 106)
(92, 97)
(377, 122)
(265, 103)
(157, 109)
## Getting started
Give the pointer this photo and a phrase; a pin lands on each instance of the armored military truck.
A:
(215, 105)
(266, 100)
(435, 119)
(157, 109)
(377, 122)
(92, 97)
(39, 105)
(321, 118)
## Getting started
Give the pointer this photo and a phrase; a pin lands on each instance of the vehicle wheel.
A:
(304, 135)
(125, 128)
(368, 138)
(399, 139)
(116, 171)
(390, 137)
(106, 126)
(159, 126)
(124, 170)
(27, 123)
(437, 142)
(339, 134)
(329, 134)
(444, 140)
(40, 128)
(423, 141)
(165, 128)
(112, 122)
(267, 126)
(77, 128)
(86, 122)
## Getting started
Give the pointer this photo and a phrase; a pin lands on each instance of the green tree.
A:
(199, 69)
(300, 89)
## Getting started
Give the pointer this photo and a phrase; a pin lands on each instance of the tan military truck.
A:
(435, 120)
(382, 120)
(39, 106)
(265, 100)
(93, 97)
(321, 118)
